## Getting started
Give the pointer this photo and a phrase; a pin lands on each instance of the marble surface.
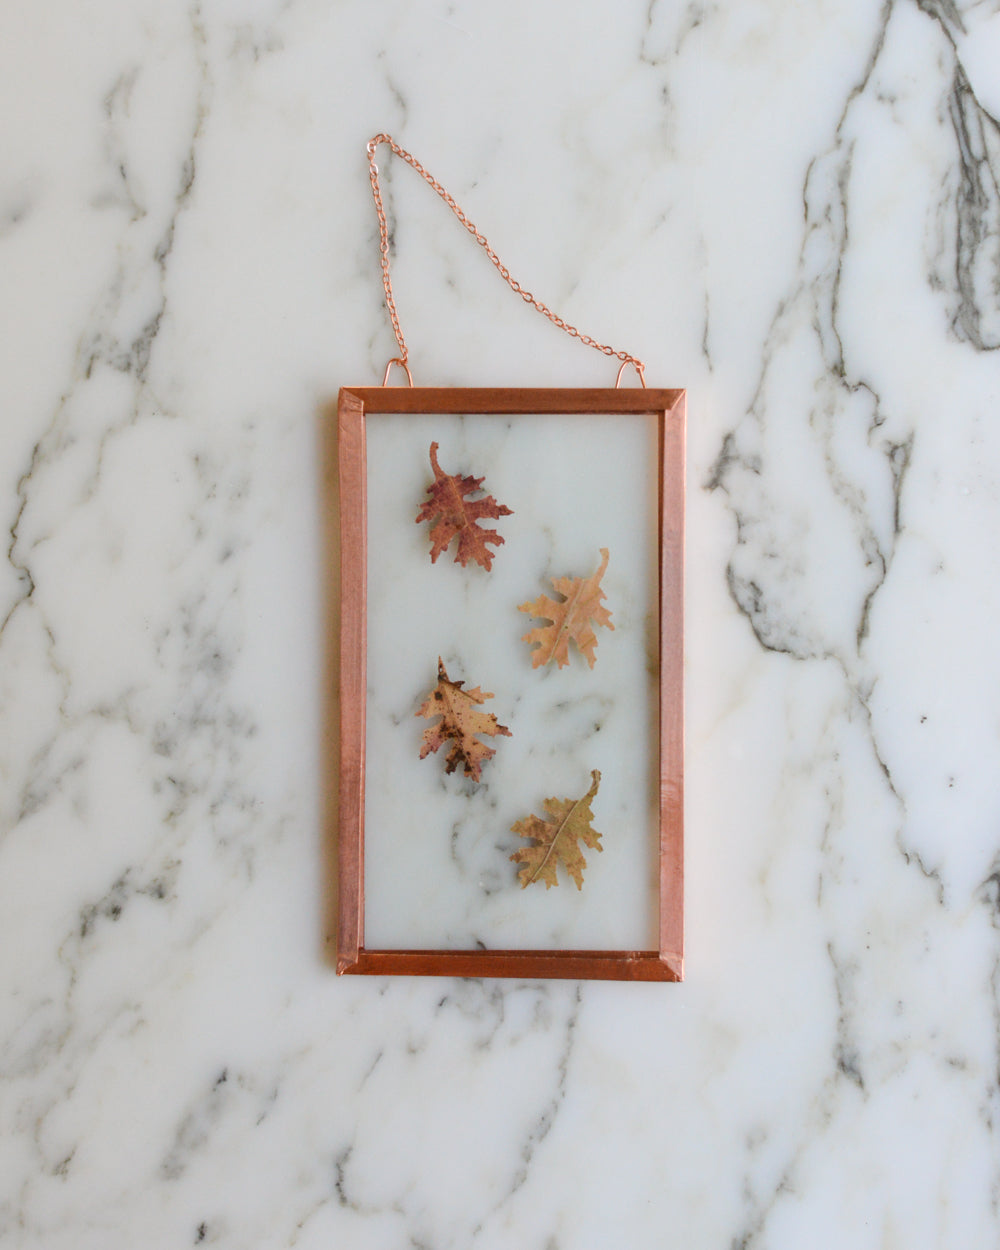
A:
(793, 211)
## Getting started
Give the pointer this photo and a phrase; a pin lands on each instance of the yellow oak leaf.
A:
(556, 839)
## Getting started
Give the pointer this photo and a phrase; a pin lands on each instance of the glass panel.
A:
(437, 857)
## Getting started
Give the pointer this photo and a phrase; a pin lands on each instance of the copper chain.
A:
(625, 357)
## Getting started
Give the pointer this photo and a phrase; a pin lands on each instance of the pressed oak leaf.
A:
(453, 514)
(581, 605)
(461, 720)
(556, 838)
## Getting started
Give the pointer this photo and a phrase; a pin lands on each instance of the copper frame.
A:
(667, 962)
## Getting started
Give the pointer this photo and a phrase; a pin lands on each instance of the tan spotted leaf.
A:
(454, 515)
(556, 839)
(460, 725)
(572, 618)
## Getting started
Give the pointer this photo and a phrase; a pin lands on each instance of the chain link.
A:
(625, 357)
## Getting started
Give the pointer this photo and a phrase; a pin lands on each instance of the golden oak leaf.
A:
(556, 838)
(453, 514)
(461, 720)
(581, 605)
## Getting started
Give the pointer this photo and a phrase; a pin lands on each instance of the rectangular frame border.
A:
(354, 405)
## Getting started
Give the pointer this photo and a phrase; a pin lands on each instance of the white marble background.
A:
(790, 209)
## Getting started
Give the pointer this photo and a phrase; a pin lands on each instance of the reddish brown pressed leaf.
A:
(581, 605)
(461, 720)
(556, 838)
(453, 514)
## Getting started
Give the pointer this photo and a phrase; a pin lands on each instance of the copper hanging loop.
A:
(501, 268)
(397, 360)
(640, 369)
